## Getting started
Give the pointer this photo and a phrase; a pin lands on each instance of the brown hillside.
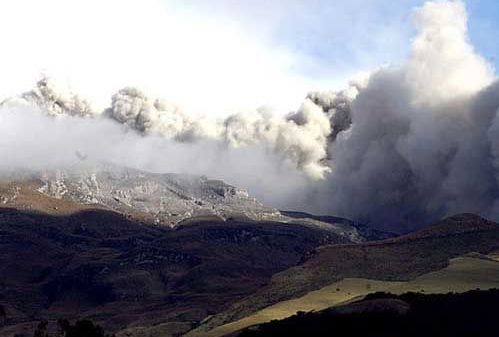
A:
(398, 259)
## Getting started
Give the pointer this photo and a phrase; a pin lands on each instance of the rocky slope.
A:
(167, 198)
(162, 198)
(159, 199)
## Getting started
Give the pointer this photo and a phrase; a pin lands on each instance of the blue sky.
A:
(484, 28)
(337, 38)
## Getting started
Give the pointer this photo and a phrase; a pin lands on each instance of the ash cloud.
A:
(299, 139)
(422, 139)
(403, 146)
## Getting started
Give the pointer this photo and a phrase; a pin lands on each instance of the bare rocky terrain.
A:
(166, 198)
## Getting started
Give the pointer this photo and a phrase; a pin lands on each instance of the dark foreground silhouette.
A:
(472, 314)
(83, 328)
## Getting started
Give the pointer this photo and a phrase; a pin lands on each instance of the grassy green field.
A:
(463, 274)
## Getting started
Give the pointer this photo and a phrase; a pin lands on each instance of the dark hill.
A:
(407, 315)
(367, 232)
(101, 265)
(397, 259)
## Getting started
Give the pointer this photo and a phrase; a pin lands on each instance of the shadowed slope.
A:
(380, 315)
(101, 265)
(399, 259)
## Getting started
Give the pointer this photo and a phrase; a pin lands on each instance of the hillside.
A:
(399, 259)
(463, 274)
(101, 245)
(381, 315)
(164, 199)
(121, 272)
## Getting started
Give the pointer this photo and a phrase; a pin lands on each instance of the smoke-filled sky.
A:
(382, 112)
(212, 56)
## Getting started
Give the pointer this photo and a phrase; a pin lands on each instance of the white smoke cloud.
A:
(54, 100)
(32, 141)
(402, 146)
(300, 138)
(133, 108)
(443, 64)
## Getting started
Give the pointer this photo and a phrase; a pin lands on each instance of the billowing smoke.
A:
(299, 138)
(402, 147)
(48, 98)
(422, 137)
(337, 106)
(133, 108)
